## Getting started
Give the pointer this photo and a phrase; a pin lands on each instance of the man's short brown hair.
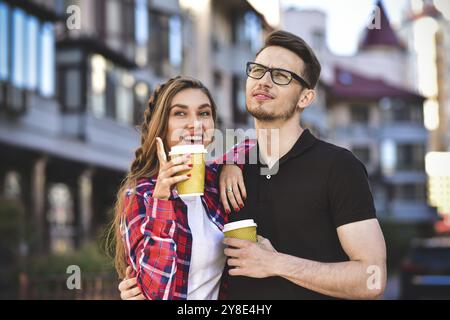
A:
(298, 46)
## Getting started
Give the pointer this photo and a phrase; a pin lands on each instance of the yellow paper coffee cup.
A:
(244, 230)
(195, 185)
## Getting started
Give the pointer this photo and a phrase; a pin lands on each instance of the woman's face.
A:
(190, 119)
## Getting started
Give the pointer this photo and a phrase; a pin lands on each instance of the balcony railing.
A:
(54, 287)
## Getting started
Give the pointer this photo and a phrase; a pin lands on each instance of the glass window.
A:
(98, 85)
(113, 15)
(32, 53)
(18, 52)
(12, 185)
(141, 92)
(124, 98)
(175, 41)
(61, 218)
(360, 114)
(141, 22)
(124, 105)
(47, 60)
(253, 30)
(4, 34)
(238, 96)
(72, 89)
(410, 157)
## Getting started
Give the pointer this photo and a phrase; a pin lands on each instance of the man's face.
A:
(267, 101)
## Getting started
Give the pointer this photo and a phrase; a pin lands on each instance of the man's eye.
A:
(280, 74)
(257, 70)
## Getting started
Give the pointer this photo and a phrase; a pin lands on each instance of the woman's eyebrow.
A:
(182, 106)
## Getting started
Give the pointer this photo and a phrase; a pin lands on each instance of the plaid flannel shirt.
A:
(156, 232)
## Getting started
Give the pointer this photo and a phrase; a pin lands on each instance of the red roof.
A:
(384, 36)
(350, 85)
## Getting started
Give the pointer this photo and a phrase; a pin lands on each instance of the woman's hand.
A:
(232, 188)
(167, 169)
(129, 289)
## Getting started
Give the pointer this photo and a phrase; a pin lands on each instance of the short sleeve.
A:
(349, 194)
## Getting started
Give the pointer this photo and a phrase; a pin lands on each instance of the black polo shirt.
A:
(318, 187)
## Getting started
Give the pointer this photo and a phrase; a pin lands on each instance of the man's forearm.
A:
(348, 280)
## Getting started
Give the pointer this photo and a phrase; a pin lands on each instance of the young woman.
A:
(173, 244)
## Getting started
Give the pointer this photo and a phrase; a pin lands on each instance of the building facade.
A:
(75, 77)
(367, 103)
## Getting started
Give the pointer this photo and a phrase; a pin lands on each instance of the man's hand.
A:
(250, 259)
(129, 289)
(232, 188)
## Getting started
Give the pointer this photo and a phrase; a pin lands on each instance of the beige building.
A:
(75, 77)
(367, 103)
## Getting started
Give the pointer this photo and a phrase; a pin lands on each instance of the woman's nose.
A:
(195, 124)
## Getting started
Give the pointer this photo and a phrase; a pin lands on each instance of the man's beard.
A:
(262, 115)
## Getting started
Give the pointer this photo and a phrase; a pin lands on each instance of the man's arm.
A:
(363, 277)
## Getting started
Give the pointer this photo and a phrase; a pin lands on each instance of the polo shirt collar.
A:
(303, 143)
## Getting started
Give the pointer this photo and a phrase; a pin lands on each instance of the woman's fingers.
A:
(237, 194)
(176, 179)
(125, 286)
(128, 272)
(174, 162)
(139, 297)
(160, 151)
(179, 168)
(230, 194)
(133, 293)
(223, 197)
(241, 184)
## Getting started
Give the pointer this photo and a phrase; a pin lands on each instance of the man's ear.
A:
(306, 98)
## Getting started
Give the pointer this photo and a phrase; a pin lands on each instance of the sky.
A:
(346, 19)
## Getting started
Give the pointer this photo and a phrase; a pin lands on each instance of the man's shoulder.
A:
(334, 153)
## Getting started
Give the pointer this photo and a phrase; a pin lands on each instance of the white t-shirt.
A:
(207, 257)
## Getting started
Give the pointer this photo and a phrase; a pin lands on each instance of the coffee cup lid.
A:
(239, 224)
(188, 148)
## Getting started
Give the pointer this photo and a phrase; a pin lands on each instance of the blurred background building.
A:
(75, 76)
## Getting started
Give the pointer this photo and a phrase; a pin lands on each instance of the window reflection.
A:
(175, 43)
(18, 53)
(47, 60)
(61, 218)
(4, 33)
(32, 53)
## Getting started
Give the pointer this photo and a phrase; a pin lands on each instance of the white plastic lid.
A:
(188, 148)
(239, 224)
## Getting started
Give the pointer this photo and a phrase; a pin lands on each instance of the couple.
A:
(318, 233)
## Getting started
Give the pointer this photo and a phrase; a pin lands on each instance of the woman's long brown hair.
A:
(145, 163)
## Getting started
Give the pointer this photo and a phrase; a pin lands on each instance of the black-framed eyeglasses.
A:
(279, 76)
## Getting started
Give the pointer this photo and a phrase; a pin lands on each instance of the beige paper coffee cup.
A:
(195, 185)
(244, 230)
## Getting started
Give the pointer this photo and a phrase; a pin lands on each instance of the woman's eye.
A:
(205, 114)
(179, 113)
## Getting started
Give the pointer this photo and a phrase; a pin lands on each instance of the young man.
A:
(319, 234)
